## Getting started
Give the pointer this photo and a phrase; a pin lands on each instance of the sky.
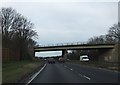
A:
(58, 21)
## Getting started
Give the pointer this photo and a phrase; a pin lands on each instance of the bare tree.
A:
(109, 39)
(112, 36)
(97, 40)
(17, 31)
(114, 32)
(6, 18)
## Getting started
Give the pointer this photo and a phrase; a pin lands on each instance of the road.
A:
(74, 73)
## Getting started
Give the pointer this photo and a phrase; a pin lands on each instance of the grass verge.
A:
(13, 71)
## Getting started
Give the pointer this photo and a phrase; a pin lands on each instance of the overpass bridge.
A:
(111, 52)
(73, 47)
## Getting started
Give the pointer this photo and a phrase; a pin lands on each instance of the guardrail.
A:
(63, 44)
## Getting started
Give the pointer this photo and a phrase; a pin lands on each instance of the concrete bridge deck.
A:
(74, 47)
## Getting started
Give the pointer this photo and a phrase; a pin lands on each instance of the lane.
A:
(74, 73)
(57, 73)
(97, 75)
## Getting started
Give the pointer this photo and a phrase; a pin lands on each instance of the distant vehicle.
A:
(45, 59)
(84, 58)
(51, 60)
(61, 60)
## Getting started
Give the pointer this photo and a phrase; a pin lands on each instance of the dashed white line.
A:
(99, 68)
(36, 74)
(71, 69)
(65, 66)
(79, 74)
(86, 77)
(68, 68)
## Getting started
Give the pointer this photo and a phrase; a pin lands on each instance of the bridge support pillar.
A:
(34, 54)
(64, 53)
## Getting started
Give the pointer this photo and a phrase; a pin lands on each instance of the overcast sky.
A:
(63, 22)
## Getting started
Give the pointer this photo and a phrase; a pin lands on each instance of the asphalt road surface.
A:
(74, 73)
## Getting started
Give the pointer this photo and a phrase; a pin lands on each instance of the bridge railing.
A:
(63, 44)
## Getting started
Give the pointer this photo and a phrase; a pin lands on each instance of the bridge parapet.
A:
(74, 43)
(63, 44)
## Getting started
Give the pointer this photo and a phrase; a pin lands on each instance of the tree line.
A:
(112, 37)
(17, 32)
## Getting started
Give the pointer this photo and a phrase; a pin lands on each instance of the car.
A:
(51, 60)
(84, 58)
(61, 60)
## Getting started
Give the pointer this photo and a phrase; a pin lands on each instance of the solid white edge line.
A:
(35, 75)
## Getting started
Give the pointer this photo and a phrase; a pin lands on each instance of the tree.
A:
(112, 36)
(6, 18)
(114, 32)
(17, 31)
(109, 39)
(97, 40)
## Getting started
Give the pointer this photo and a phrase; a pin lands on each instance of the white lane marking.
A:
(84, 76)
(68, 68)
(35, 75)
(71, 69)
(87, 77)
(99, 68)
(79, 73)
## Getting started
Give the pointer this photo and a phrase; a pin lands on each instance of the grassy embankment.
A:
(14, 70)
(110, 66)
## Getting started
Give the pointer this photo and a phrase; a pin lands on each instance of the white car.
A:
(84, 58)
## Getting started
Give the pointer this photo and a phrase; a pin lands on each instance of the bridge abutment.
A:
(110, 55)
(64, 53)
